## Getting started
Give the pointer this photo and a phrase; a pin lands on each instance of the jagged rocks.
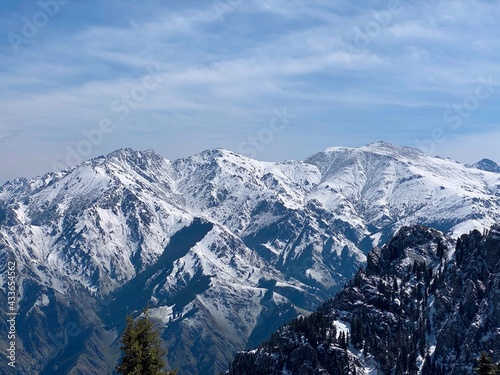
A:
(424, 305)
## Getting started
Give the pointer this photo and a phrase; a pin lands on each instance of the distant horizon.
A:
(262, 160)
(272, 80)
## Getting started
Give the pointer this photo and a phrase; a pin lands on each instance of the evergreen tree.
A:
(142, 350)
(486, 366)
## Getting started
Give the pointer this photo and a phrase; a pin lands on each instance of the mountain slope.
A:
(391, 186)
(487, 165)
(423, 305)
(218, 244)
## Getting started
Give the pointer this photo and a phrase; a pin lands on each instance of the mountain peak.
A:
(380, 147)
(129, 152)
(215, 155)
(487, 165)
(138, 160)
(388, 148)
(387, 145)
(218, 152)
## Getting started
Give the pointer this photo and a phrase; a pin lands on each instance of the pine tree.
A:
(142, 350)
(486, 366)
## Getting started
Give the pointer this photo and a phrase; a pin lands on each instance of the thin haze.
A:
(271, 79)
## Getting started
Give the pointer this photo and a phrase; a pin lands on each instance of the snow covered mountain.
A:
(223, 248)
(487, 165)
(425, 304)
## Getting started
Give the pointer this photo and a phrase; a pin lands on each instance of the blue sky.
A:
(271, 79)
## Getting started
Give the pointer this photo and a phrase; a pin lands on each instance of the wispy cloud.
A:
(340, 66)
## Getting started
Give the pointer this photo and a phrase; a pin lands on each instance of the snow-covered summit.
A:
(487, 165)
(380, 148)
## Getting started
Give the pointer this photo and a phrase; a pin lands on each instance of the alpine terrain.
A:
(424, 304)
(225, 250)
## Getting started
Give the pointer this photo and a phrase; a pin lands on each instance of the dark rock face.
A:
(423, 305)
(487, 165)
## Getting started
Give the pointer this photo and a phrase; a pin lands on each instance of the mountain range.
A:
(223, 248)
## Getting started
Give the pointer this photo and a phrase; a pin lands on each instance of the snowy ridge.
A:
(384, 184)
(285, 236)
